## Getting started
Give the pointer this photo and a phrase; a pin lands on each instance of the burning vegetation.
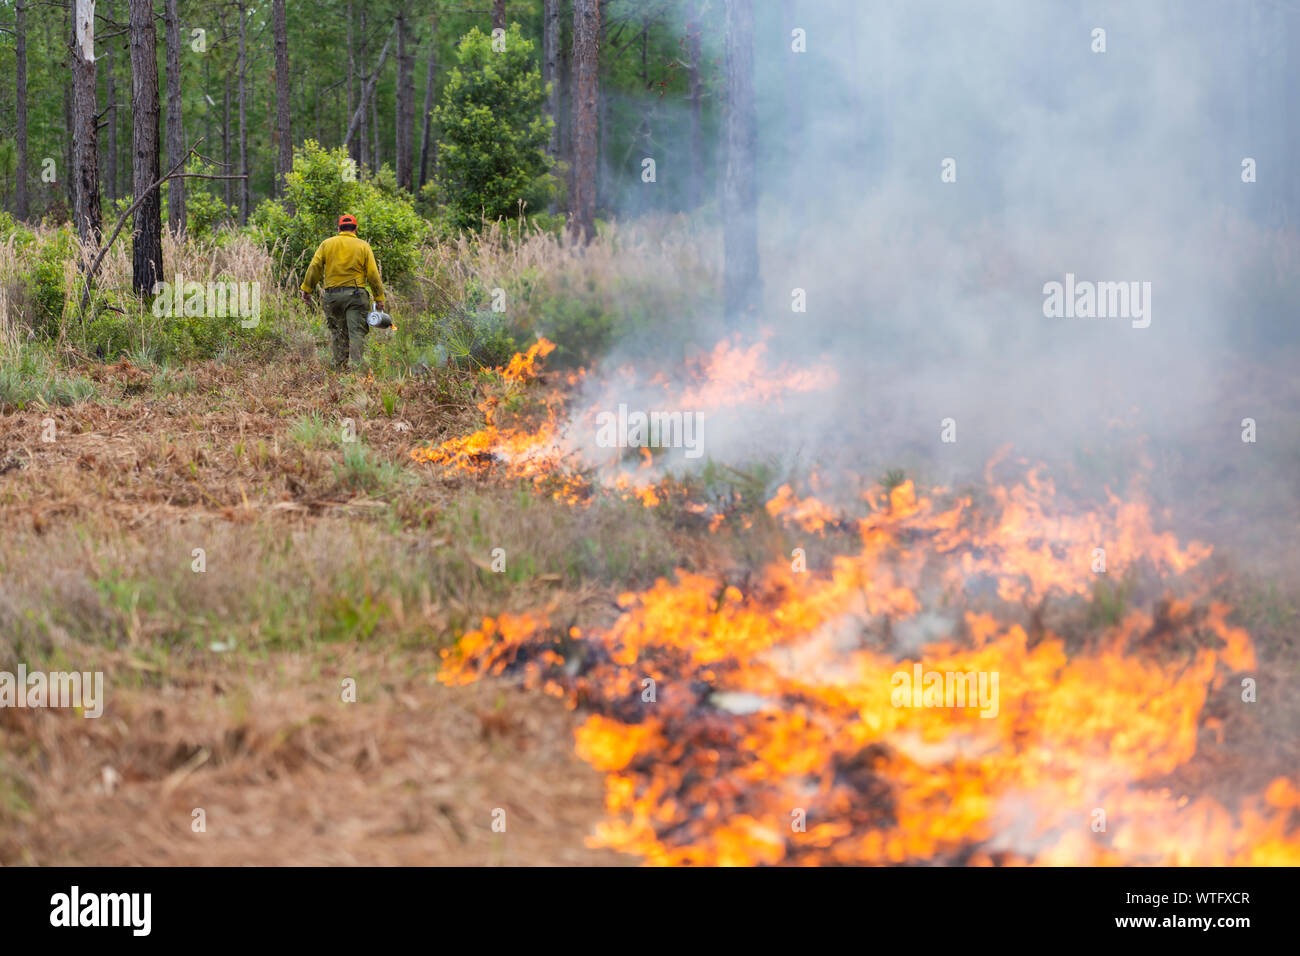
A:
(806, 715)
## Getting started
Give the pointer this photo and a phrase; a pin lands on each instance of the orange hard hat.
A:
(346, 220)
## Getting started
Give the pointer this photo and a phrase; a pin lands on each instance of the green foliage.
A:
(205, 211)
(581, 328)
(1110, 602)
(22, 236)
(471, 340)
(362, 470)
(323, 186)
(892, 479)
(146, 337)
(46, 279)
(29, 376)
(310, 430)
(492, 148)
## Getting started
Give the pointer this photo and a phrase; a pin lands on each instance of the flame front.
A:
(787, 721)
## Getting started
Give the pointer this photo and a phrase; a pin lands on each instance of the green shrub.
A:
(9, 226)
(323, 186)
(474, 340)
(29, 375)
(47, 279)
(362, 470)
(311, 431)
(493, 132)
(206, 213)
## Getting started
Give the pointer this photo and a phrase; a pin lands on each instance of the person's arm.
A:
(372, 277)
(314, 273)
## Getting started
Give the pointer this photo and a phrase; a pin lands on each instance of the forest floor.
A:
(225, 686)
(206, 540)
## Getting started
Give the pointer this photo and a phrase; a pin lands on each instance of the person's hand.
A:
(306, 296)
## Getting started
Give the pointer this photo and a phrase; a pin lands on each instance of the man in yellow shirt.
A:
(345, 264)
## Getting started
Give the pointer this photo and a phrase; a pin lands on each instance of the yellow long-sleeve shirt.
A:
(344, 259)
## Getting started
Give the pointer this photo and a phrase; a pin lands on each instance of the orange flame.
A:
(774, 734)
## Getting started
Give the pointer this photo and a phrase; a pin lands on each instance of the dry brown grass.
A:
(287, 773)
(223, 687)
(640, 253)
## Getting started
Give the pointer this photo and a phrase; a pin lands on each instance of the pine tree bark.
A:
(243, 115)
(20, 55)
(225, 141)
(498, 14)
(427, 147)
(354, 148)
(374, 131)
(740, 180)
(176, 217)
(586, 113)
(69, 149)
(110, 91)
(405, 102)
(363, 146)
(146, 255)
(85, 136)
(284, 161)
(550, 73)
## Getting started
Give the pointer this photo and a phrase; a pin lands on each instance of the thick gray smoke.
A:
(927, 296)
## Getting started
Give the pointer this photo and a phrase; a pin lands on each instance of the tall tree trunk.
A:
(354, 149)
(284, 163)
(405, 105)
(20, 55)
(364, 146)
(146, 255)
(85, 137)
(602, 114)
(207, 110)
(426, 145)
(243, 115)
(110, 93)
(586, 93)
(740, 180)
(175, 121)
(225, 141)
(550, 74)
(498, 14)
(69, 151)
(695, 183)
(566, 105)
(374, 131)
